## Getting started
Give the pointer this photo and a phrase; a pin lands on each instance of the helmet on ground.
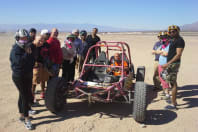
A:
(173, 27)
(21, 33)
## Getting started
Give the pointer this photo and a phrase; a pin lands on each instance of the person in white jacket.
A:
(69, 52)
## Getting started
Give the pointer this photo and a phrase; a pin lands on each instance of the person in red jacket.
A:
(55, 51)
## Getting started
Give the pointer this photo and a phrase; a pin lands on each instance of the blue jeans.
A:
(55, 68)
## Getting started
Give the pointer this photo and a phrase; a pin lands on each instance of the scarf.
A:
(166, 43)
(68, 44)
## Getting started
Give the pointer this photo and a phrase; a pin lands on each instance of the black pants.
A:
(24, 85)
(92, 56)
(69, 70)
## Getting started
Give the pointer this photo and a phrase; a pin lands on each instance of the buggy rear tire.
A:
(140, 102)
(55, 97)
(140, 76)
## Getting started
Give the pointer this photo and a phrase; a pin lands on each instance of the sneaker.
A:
(170, 107)
(32, 112)
(162, 94)
(28, 125)
(165, 98)
(168, 101)
(35, 104)
(42, 95)
(22, 119)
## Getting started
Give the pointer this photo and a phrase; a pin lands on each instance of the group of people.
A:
(37, 58)
(168, 51)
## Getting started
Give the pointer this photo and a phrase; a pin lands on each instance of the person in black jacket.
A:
(22, 62)
(91, 40)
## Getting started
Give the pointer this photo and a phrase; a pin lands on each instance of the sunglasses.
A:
(172, 32)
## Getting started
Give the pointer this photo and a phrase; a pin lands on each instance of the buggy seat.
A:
(98, 73)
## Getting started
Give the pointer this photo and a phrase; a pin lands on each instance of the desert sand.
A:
(109, 117)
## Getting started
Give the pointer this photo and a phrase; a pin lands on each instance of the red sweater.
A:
(55, 51)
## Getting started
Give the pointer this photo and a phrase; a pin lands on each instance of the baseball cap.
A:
(44, 31)
(75, 31)
(71, 36)
(83, 33)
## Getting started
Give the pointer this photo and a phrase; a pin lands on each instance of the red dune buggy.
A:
(98, 83)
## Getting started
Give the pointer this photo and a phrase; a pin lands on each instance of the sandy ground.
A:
(109, 117)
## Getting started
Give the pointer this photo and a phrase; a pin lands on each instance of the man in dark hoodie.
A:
(22, 62)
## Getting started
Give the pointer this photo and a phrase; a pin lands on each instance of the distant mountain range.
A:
(69, 27)
(61, 27)
(190, 27)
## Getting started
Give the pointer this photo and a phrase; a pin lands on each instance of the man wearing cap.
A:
(92, 40)
(40, 73)
(77, 41)
(78, 45)
(156, 49)
(69, 53)
(55, 51)
(45, 33)
(173, 62)
(83, 51)
(44, 59)
(45, 51)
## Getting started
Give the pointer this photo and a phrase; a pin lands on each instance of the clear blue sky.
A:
(134, 14)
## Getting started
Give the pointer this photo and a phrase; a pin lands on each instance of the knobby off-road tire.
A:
(55, 97)
(140, 76)
(140, 102)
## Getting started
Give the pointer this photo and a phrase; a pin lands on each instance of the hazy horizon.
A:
(135, 15)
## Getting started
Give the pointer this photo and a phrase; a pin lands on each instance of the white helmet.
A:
(21, 33)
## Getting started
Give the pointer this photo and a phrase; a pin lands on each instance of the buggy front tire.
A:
(55, 96)
(140, 102)
(140, 76)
